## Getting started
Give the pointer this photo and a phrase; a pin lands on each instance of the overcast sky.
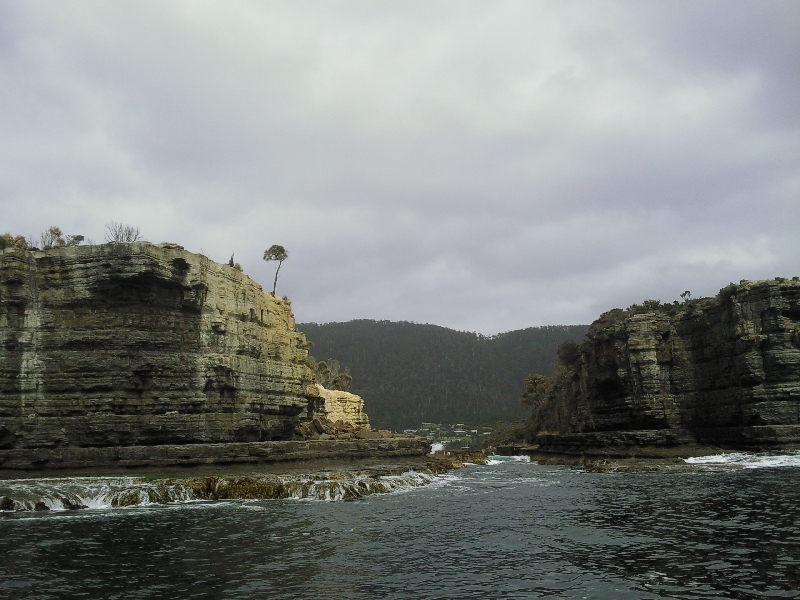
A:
(485, 166)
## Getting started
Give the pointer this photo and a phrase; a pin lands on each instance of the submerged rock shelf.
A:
(337, 480)
(118, 492)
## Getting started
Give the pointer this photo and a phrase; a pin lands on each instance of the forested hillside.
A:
(408, 373)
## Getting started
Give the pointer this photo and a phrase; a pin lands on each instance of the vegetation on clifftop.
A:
(54, 237)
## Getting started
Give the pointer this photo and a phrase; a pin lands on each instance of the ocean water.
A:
(510, 529)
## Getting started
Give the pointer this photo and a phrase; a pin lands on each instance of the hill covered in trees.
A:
(408, 373)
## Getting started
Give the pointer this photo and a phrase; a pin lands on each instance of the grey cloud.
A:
(484, 166)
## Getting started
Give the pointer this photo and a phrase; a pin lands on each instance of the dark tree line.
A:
(408, 372)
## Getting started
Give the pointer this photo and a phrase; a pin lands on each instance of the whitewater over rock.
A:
(117, 492)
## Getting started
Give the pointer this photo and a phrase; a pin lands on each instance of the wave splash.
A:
(747, 460)
(497, 459)
(60, 494)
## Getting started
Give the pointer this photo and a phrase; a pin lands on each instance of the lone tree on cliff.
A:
(120, 233)
(278, 253)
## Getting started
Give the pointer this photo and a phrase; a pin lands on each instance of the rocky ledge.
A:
(166, 455)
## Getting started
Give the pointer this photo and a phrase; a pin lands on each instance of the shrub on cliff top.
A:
(568, 353)
(342, 382)
(6, 241)
(327, 374)
(53, 237)
(648, 306)
(536, 389)
(727, 292)
(120, 233)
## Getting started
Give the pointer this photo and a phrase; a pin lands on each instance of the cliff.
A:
(720, 371)
(123, 345)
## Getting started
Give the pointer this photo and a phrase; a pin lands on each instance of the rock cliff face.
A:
(342, 406)
(723, 370)
(143, 345)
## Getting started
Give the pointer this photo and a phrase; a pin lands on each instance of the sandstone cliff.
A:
(723, 370)
(342, 406)
(143, 345)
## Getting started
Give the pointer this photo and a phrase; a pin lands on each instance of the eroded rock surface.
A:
(723, 370)
(143, 345)
(344, 407)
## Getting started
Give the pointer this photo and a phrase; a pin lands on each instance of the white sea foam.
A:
(59, 494)
(350, 488)
(497, 459)
(763, 460)
(437, 447)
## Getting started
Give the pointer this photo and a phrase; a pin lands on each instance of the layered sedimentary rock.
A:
(111, 458)
(344, 407)
(723, 370)
(123, 345)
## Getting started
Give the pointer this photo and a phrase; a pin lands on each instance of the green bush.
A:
(342, 382)
(9, 241)
(727, 292)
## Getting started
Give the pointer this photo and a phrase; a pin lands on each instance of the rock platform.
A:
(127, 457)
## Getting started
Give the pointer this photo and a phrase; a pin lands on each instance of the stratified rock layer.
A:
(119, 458)
(724, 370)
(123, 345)
(344, 407)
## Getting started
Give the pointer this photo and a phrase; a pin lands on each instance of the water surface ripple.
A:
(506, 530)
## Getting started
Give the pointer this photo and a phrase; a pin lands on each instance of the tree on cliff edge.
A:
(280, 254)
(120, 233)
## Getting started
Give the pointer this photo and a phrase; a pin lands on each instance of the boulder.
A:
(343, 407)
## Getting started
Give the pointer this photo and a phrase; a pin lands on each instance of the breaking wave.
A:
(496, 459)
(60, 494)
(765, 460)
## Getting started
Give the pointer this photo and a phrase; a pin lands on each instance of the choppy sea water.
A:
(510, 529)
